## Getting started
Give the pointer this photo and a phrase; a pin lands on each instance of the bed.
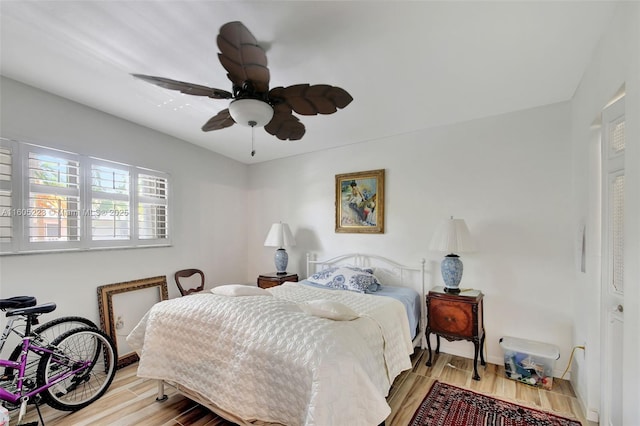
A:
(303, 353)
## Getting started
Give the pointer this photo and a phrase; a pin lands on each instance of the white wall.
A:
(508, 176)
(615, 62)
(209, 204)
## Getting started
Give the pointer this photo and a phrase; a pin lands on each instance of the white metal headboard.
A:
(389, 271)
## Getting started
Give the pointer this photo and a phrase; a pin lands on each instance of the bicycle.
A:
(73, 370)
(42, 335)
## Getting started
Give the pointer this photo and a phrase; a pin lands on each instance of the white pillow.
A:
(239, 290)
(328, 309)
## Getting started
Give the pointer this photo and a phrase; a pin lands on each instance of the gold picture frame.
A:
(120, 313)
(360, 202)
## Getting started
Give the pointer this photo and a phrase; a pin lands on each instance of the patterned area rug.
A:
(447, 405)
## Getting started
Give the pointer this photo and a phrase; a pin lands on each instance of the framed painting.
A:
(122, 306)
(360, 202)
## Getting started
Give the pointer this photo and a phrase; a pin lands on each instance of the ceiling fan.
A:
(253, 104)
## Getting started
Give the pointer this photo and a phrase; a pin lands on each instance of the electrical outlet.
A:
(584, 349)
(119, 323)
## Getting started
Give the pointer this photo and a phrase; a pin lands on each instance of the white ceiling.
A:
(408, 65)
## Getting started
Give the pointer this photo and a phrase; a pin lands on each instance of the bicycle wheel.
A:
(54, 328)
(82, 346)
(43, 335)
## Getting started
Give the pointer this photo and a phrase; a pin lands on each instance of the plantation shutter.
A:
(152, 206)
(615, 144)
(110, 204)
(53, 196)
(6, 167)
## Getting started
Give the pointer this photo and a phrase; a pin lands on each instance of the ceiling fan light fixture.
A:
(251, 112)
(246, 65)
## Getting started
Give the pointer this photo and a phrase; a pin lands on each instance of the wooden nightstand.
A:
(456, 317)
(273, 279)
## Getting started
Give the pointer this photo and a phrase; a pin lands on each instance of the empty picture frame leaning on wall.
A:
(122, 306)
(360, 202)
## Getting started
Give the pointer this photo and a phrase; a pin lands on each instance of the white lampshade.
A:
(279, 236)
(251, 112)
(452, 236)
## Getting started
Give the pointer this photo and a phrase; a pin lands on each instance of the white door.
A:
(613, 149)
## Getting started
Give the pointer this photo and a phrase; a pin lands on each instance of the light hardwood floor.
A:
(131, 401)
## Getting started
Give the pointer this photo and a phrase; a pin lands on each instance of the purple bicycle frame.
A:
(21, 365)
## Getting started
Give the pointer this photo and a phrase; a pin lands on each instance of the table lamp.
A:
(452, 236)
(279, 236)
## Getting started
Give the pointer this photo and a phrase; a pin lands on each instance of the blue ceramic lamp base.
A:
(281, 259)
(451, 268)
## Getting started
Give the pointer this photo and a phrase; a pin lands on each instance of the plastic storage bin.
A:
(529, 362)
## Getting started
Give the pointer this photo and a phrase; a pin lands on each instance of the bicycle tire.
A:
(46, 332)
(86, 386)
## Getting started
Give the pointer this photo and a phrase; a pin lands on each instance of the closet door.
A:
(613, 220)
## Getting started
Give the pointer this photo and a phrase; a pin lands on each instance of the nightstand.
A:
(456, 317)
(273, 279)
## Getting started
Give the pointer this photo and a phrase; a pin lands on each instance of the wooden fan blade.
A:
(242, 57)
(284, 125)
(219, 121)
(305, 99)
(187, 88)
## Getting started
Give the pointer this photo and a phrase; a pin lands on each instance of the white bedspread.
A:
(262, 358)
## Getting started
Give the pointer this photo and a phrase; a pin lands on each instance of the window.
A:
(152, 206)
(71, 201)
(6, 162)
(54, 196)
(110, 204)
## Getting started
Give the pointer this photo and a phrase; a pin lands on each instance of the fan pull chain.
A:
(253, 126)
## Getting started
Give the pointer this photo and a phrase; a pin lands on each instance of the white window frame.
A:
(151, 200)
(23, 205)
(20, 242)
(90, 213)
(8, 185)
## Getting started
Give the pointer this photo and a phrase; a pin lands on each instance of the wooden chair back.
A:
(186, 273)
